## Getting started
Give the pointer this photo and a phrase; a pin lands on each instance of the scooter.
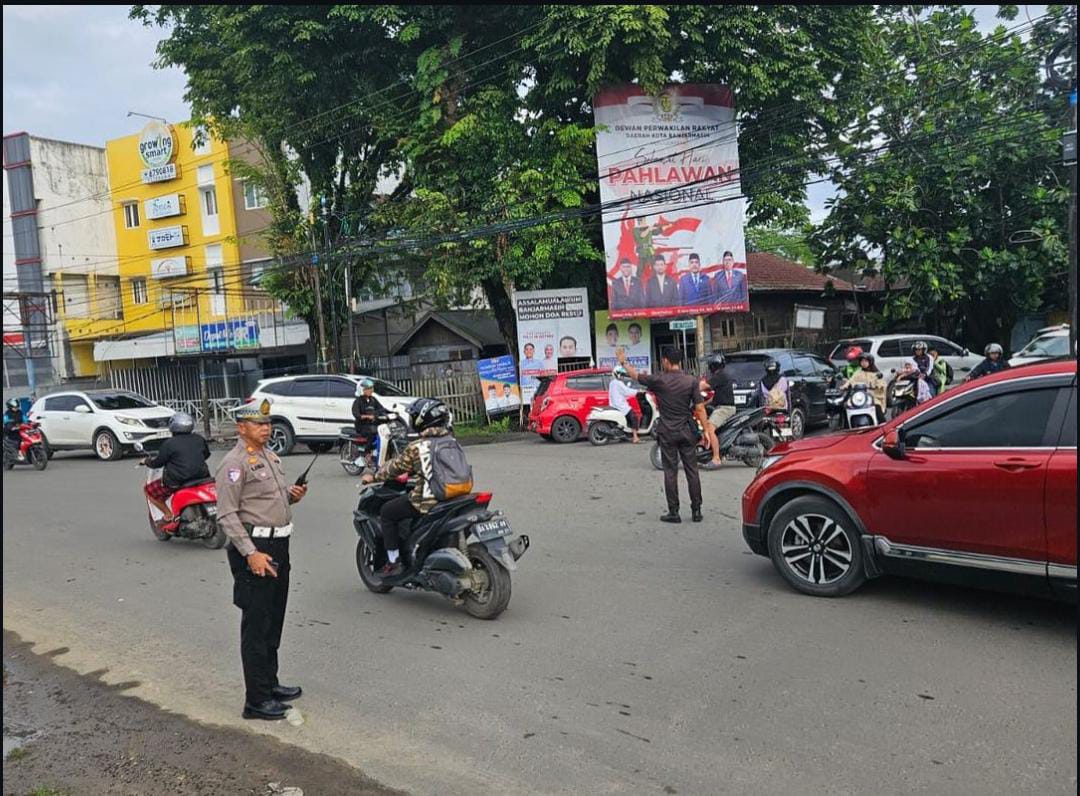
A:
(31, 448)
(607, 424)
(851, 407)
(194, 505)
(745, 437)
(460, 549)
(391, 437)
(905, 395)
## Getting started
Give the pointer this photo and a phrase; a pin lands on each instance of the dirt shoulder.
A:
(75, 734)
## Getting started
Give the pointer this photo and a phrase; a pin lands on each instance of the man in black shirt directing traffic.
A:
(680, 404)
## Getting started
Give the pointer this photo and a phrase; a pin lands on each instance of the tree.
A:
(949, 175)
(789, 244)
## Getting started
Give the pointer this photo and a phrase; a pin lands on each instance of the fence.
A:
(164, 384)
(460, 393)
(220, 411)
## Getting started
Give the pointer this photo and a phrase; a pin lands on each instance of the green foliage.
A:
(949, 175)
(789, 244)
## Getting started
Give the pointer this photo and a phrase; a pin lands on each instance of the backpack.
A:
(451, 475)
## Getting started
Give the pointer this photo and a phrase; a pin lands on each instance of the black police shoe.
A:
(696, 515)
(671, 516)
(270, 710)
(286, 693)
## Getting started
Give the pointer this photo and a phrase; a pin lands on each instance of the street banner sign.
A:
(634, 336)
(499, 385)
(551, 325)
(674, 212)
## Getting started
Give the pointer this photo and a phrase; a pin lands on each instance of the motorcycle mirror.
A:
(892, 445)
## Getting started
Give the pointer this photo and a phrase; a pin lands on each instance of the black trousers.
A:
(262, 601)
(632, 420)
(396, 517)
(672, 450)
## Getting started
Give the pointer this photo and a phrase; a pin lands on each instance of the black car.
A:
(808, 374)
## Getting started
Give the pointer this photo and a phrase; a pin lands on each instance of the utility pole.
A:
(318, 303)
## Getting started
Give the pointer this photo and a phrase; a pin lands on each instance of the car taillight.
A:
(483, 498)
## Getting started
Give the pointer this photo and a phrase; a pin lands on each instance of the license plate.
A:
(492, 529)
(740, 399)
(211, 510)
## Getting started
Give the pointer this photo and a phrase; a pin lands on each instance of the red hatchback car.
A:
(562, 403)
(976, 486)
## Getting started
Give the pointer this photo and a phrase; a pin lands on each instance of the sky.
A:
(98, 67)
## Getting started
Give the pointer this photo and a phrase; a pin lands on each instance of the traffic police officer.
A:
(253, 499)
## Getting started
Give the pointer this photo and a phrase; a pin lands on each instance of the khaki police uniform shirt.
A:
(251, 488)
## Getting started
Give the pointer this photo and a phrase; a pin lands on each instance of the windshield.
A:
(840, 352)
(744, 370)
(112, 401)
(1051, 346)
(388, 389)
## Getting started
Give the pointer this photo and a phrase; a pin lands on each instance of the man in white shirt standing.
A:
(619, 395)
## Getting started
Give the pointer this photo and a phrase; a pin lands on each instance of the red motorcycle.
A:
(194, 506)
(31, 448)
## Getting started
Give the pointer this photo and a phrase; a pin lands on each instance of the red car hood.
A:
(818, 443)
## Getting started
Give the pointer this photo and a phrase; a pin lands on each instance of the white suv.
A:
(892, 350)
(1048, 343)
(313, 409)
(109, 422)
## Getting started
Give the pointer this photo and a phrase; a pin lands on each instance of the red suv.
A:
(563, 402)
(976, 486)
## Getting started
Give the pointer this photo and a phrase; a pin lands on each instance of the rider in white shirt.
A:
(619, 393)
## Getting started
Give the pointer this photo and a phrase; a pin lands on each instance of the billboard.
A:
(633, 335)
(551, 324)
(499, 385)
(673, 218)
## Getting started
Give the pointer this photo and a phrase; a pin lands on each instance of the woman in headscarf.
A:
(773, 390)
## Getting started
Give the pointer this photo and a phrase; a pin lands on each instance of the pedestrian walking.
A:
(681, 409)
(254, 501)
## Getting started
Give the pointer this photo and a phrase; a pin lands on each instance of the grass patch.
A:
(17, 754)
(47, 792)
(493, 429)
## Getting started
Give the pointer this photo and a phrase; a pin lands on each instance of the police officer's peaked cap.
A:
(253, 412)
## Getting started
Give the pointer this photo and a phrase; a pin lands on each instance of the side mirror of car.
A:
(965, 353)
(82, 409)
(893, 443)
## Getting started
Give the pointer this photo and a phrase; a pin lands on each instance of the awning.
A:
(163, 344)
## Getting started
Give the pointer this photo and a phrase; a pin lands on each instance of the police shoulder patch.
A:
(234, 474)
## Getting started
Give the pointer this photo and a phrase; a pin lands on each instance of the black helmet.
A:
(428, 413)
(867, 356)
(13, 403)
(716, 362)
(771, 364)
(181, 423)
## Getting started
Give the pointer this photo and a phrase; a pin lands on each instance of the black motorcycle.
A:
(391, 438)
(746, 437)
(459, 549)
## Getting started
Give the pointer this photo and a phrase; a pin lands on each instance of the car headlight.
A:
(860, 399)
(128, 421)
(768, 462)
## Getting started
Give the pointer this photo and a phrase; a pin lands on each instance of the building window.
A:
(108, 297)
(200, 144)
(254, 196)
(724, 327)
(761, 325)
(209, 196)
(138, 291)
(131, 215)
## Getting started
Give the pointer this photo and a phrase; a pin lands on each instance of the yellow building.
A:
(176, 234)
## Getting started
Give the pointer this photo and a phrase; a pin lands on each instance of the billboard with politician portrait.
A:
(551, 325)
(673, 207)
(633, 336)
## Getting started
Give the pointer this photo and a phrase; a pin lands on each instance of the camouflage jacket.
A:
(410, 461)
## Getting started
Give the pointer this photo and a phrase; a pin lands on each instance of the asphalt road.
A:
(634, 658)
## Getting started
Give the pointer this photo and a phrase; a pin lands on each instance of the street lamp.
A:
(147, 116)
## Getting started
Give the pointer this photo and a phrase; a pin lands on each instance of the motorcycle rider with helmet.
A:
(994, 363)
(869, 375)
(923, 363)
(619, 394)
(183, 459)
(773, 391)
(431, 418)
(722, 406)
(365, 410)
(853, 357)
(13, 418)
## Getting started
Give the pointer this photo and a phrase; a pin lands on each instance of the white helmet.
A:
(993, 348)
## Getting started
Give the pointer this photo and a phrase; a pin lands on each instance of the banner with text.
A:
(551, 325)
(499, 384)
(633, 335)
(673, 219)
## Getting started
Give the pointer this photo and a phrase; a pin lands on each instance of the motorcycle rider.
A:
(431, 418)
(13, 418)
(183, 458)
(869, 375)
(942, 372)
(853, 357)
(619, 393)
(365, 410)
(774, 392)
(922, 362)
(994, 363)
(722, 406)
